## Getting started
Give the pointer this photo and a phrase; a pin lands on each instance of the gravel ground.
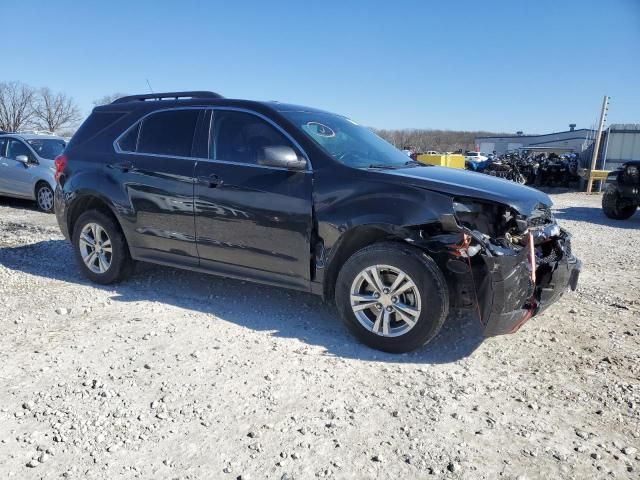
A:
(181, 375)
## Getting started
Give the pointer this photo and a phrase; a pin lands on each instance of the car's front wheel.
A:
(44, 197)
(100, 248)
(615, 207)
(392, 297)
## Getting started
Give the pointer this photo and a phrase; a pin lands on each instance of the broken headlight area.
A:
(508, 266)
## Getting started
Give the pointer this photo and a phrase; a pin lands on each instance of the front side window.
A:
(3, 145)
(163, 133)
(348, 142)
(16, 147)
(241, 137)
(48, 148)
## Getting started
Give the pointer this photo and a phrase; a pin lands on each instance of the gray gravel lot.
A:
(181, 375)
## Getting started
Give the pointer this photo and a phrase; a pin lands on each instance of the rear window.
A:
(93, 125)
(168, 133)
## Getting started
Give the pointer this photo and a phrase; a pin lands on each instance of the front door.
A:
(155, 166)
(252, 221)
(16, 177)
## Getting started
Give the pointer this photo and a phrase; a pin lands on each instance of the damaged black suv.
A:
(300, 198)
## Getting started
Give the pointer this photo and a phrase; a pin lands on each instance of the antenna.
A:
(149, 85)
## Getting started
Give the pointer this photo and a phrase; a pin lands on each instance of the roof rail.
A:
(166, 96)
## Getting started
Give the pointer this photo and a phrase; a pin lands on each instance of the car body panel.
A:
(257, 217)
(158, 194)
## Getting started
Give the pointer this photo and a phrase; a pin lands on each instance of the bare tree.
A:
(53, 111)
(108, 99)
(16, 106)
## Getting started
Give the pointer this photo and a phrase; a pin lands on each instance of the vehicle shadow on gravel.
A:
(595, 215)
(284, 313)
(18, 203)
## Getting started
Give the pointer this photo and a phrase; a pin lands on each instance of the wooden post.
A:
(596, 144)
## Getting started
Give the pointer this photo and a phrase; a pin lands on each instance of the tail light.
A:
(60, 162)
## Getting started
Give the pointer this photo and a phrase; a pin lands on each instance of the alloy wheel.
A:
(45, 198)
(385, 300)
(95, 248)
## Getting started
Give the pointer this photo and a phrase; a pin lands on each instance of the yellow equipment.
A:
(444, 160)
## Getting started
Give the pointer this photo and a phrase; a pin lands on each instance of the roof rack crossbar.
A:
(167, 96)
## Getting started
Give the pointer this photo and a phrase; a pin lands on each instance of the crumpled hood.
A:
(464, 183)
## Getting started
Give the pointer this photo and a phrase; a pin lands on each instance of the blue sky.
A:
(501, 65)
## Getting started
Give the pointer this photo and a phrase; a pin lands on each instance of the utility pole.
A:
(596, 144)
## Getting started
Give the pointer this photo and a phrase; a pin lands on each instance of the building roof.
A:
(586, 130)
(625, 127)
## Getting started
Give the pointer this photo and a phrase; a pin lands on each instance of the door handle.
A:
(124, 166)
(211, 181)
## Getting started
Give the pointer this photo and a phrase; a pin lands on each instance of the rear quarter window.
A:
(93, 125)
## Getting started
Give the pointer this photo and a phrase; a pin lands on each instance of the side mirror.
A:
(283, 157)
(22, 159)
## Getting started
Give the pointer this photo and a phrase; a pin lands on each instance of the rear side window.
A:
(93, 125)
(3, 144)
(168, 133)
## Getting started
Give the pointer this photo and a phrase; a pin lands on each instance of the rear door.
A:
(252, 221)
(155, 167)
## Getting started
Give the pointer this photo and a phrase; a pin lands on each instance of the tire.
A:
(120, 264)
(44, 197)
(431, 301)
(613, 208)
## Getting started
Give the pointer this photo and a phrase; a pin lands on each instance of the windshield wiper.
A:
(385, 166)
(413, 163)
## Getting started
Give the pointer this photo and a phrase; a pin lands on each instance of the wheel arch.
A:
(90, 201)
(355, 239)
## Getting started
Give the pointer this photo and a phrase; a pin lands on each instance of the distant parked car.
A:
(475, 161)
(475, 157)
(26, 167)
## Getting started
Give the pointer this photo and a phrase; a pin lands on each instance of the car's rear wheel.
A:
(392, 297)
(615, 207)
(44, 197)
(100, 248)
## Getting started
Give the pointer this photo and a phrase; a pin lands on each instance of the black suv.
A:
(305, 199)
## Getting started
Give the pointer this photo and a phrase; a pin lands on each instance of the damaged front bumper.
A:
(513, 288)
(511, 279)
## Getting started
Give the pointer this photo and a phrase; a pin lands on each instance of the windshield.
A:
(47, 147)
(348, 142)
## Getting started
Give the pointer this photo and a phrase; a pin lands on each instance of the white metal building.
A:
(622, 144)
(572, 140)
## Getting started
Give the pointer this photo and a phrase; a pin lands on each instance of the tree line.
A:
(423, 140)
(23, 107)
